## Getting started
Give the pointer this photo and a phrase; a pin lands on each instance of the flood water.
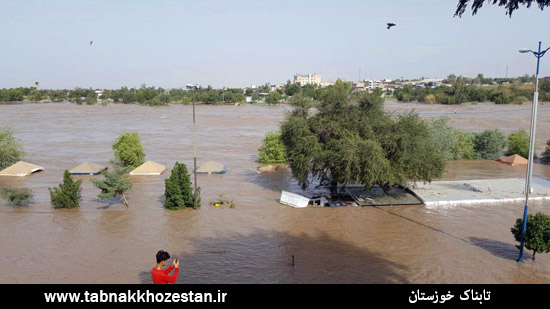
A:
(105, 242)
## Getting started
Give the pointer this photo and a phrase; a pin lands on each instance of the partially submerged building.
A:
(21, 168)
(148, 168)
(211, 167)
(87, 168)
(513, 160)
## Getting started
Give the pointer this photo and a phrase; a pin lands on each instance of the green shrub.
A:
(430, 99)
(465, 148)
(128, 150)
(518, 143)
(91, 100)
(443, 136)
(537, 233)
(545, 157)
(501, 98)
(272, 149)
(178, 193)
(68, 193)
(273, 97)
(442, 98)
(16, 196)
(489, 144)
(11, 149)
(519, 100)
(114, 184)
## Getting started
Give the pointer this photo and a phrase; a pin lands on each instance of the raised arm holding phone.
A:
(161, 276)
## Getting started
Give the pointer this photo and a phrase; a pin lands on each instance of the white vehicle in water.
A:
(294, 200)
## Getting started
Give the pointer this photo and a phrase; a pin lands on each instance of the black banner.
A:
(276, 294)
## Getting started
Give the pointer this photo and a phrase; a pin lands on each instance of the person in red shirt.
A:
(161, 276)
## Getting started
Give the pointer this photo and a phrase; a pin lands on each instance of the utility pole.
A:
(529, 174)
(195, 195)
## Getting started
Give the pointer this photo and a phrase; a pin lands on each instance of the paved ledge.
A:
(478, 192)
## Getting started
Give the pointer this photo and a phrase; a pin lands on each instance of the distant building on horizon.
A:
(99, 93)
(309, 79)
(326, 84)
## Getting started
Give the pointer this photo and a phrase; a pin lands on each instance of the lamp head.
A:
(524, 50)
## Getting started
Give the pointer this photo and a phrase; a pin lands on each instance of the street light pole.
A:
(195, 195)
(529, 174)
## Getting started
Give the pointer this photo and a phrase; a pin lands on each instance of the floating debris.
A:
(222, 201)
(470, 187)
(294, 200)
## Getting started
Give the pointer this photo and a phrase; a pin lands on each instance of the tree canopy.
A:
(115, 184)
(178, 192)
(537, 232)
(272, 150)
(352, 140)
(128, 150)
(67, 195)
(509, 5)
(518, 143)
(490, 144)
(16, 196)
(11, 149)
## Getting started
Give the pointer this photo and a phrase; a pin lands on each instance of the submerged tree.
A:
(11, 149)
(490, 144)
(355, 141)
(178, 193)
(537, 233)
(67, 195)
(16, 196)
(518, 143)
(272, 149)
(115, 184)
(128, 150)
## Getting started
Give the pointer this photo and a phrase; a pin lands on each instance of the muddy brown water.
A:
(105, 242)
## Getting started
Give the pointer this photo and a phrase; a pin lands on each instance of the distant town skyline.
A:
(170, 43)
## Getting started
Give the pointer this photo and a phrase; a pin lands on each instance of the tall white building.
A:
(314, 79)
(371, 84)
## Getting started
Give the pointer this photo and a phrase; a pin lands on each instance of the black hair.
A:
(162, 256)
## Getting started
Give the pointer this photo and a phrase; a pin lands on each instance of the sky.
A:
(171, 43)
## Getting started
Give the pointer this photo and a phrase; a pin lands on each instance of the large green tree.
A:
(128, 150)
(537, 233)
(354, 141)
(11, 149)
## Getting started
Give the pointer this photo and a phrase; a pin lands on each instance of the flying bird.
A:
(91, 42)
(390, 25)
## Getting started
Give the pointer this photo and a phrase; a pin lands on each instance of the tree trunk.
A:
(124, 200)
(333, 188)
(386, 187)
(534, 252)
